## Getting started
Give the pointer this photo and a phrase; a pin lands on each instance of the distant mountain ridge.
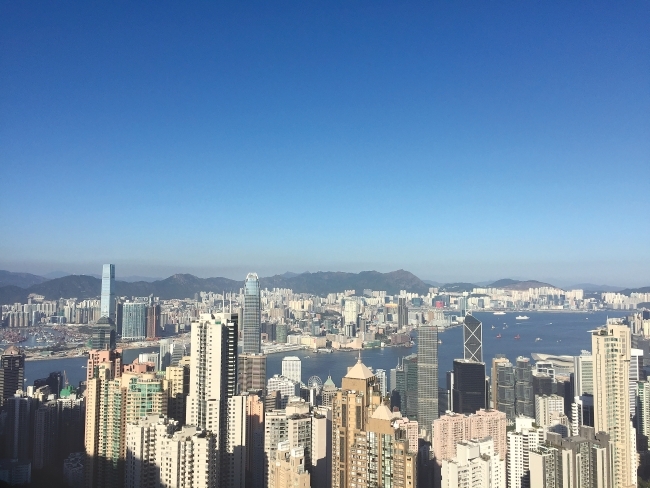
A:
(186, 285)
(517, 285)
(21, 280)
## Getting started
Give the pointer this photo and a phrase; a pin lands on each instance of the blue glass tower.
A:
(252, 315)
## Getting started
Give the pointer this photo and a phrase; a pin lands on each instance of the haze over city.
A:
(462, 142)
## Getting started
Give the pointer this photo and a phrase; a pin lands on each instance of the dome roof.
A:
(329, 383)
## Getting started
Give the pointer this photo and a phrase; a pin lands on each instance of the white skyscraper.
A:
(584, 374)
(636, 368)
(521, 441)
(108, 292)
(292, 368)
(611, 347)
(475, 466)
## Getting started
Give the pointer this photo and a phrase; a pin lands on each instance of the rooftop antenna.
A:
(359, 355)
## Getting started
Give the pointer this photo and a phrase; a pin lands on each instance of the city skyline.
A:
(401, 125)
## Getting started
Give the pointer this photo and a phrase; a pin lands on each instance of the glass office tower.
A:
(252, 315)
(108, 292)
(427, 376)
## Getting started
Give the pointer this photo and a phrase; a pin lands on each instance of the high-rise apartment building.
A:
(160, 454)
(406, 384)
(545, 407)
(251, 315)
(524, 396)
(213, 379)
(292, 368)
(177, 383)
(251, 372)
(289, 468)
(505, 394)
(301, 426)
(581, 461)
(494, 387)
(583, 367)
(475, 466)
(636, 375)
(12, 373)
(472, 339)
(521, 441)
(452, 428)
(134, 321)
(153, 320)
(254, 441)
(611, 351)
(107, 304)
(287, 388)
(427, 383)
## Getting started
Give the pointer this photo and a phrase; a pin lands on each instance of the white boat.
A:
(538, 339)
(493, 327)
(499, 313)
(522, 317)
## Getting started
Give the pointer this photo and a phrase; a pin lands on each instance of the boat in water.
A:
(517, 337)
(498, 336)
(499, 313)
(522, 317)
(538, 339)
(493, 327)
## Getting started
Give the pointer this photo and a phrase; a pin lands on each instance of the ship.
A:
(493, 327)
(517, 337)
(498, 336)
(538, 339)
(499, 313)
(522, 317)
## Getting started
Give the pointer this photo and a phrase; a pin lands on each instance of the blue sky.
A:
(458, 140)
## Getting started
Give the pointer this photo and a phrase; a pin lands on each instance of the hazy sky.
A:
(458, 140)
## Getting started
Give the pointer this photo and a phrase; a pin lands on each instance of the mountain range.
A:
(16, 287)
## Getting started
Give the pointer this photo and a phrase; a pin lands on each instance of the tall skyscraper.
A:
(521, 441)
(473, 339)
(524, 397)
(251, 372)
(292, 368)
(12, 373)
(252, 315)
(134, 321)
(583, 367)
(469, 386)
(108, 292)
(365, 429)
(402, 313)
(153, 320)
(636, 372)
(213, 379)
(427, 377)
(611, 347)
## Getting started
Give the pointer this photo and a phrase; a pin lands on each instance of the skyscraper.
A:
(252, 315)
(134, 321)
(427, 377)
(473, 339)
(611, 351)
(402, 313)
(469, 386)
(12, 373)
(108, 292)
(292, 368)
(251, 373)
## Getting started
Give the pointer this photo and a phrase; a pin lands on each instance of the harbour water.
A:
(559, 333)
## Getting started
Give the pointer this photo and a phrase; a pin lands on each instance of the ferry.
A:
(498, 336)
(499, 313)
(522, 317)
(517, 337)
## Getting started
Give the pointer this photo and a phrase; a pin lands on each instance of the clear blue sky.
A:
(458, 140)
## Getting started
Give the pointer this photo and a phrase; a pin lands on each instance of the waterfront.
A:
(560, 333)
